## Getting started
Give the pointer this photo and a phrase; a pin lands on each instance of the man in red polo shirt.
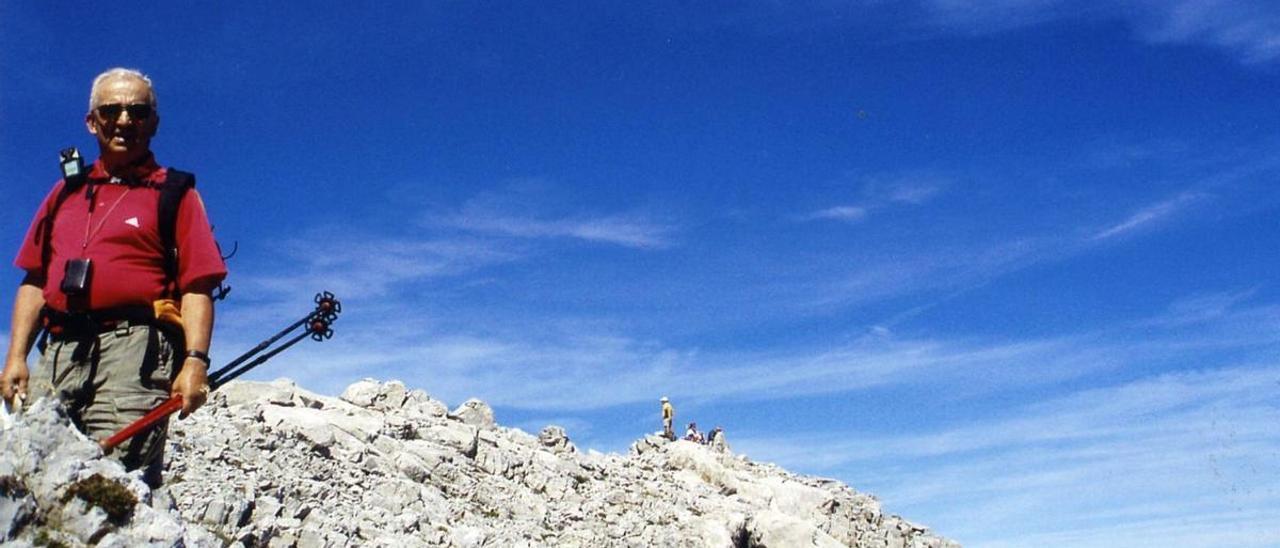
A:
(107, 355)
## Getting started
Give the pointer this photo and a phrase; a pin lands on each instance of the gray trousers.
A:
(109, 380)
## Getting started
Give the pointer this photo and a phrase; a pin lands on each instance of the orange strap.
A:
(167, 311)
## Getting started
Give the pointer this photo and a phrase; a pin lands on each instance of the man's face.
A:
(122, 120)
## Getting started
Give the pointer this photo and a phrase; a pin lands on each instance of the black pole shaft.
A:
(224, 376)
(261, 346)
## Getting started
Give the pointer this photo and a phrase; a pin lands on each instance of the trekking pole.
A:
(317, 326)
(317, 322)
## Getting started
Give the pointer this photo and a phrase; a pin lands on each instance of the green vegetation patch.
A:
(114, 499)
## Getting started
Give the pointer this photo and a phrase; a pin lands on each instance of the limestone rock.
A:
(475, 413)
(648, 443)
(372, 394)
(556, 439)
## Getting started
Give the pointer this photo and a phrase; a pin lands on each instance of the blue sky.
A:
(1008, 265)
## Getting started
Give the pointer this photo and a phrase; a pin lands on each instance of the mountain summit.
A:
(271, 464)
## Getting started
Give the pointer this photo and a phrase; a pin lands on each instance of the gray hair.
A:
(120, 74)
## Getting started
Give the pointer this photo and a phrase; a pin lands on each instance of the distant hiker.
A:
(692, 434)
(668, 419)
(127, 318)
(716, 440)
(716, 433)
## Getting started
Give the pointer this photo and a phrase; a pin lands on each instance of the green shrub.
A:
(114, 499)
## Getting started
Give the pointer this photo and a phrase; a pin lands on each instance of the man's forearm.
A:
(26, 320)
(192, 382)
(197, 320)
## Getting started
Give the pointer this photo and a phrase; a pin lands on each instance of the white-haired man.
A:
(127, 320)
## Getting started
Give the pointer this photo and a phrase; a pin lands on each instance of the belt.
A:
(67, 324)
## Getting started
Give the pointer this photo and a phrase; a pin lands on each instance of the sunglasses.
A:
(137, 111)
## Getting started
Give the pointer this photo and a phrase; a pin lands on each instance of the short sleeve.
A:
(30, 252)
(200, 265)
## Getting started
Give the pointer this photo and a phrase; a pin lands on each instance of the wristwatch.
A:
(199, 356)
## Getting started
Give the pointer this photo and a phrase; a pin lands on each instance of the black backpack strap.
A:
(44, 233)
(176, 184)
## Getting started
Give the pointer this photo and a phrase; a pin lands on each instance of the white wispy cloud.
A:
(1146, 455)
(1158, 459)
(1235, 184)
(978, 16)
(913, 187)
(1150, 215)
(839, 213)
(378, 279)
(529, 209)
(1249, 29)
(883, 191)
(1204, 307)
(552, 364)
(928, 270)
(628, 231)
(1109, 152)
(578, 372)
(367, 265)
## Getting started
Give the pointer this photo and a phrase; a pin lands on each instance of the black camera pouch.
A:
(75, 282)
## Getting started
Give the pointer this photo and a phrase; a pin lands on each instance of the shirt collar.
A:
(145, 170)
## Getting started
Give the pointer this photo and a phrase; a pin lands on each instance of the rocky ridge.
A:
(270, 464)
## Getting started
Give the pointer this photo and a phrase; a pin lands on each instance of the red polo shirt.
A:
(122, 239)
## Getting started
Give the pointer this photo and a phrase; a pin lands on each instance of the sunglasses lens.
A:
(140, 111)
(110, 112)
(137, 111)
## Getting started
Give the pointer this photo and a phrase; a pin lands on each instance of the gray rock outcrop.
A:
(270, 464)
(56, 488)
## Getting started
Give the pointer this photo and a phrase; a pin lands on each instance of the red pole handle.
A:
(165, 409)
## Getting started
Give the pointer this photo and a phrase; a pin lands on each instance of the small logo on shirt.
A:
(133, 222)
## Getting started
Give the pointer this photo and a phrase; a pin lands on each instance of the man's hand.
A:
(22, 330)
(14, 379)
(192, 384)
